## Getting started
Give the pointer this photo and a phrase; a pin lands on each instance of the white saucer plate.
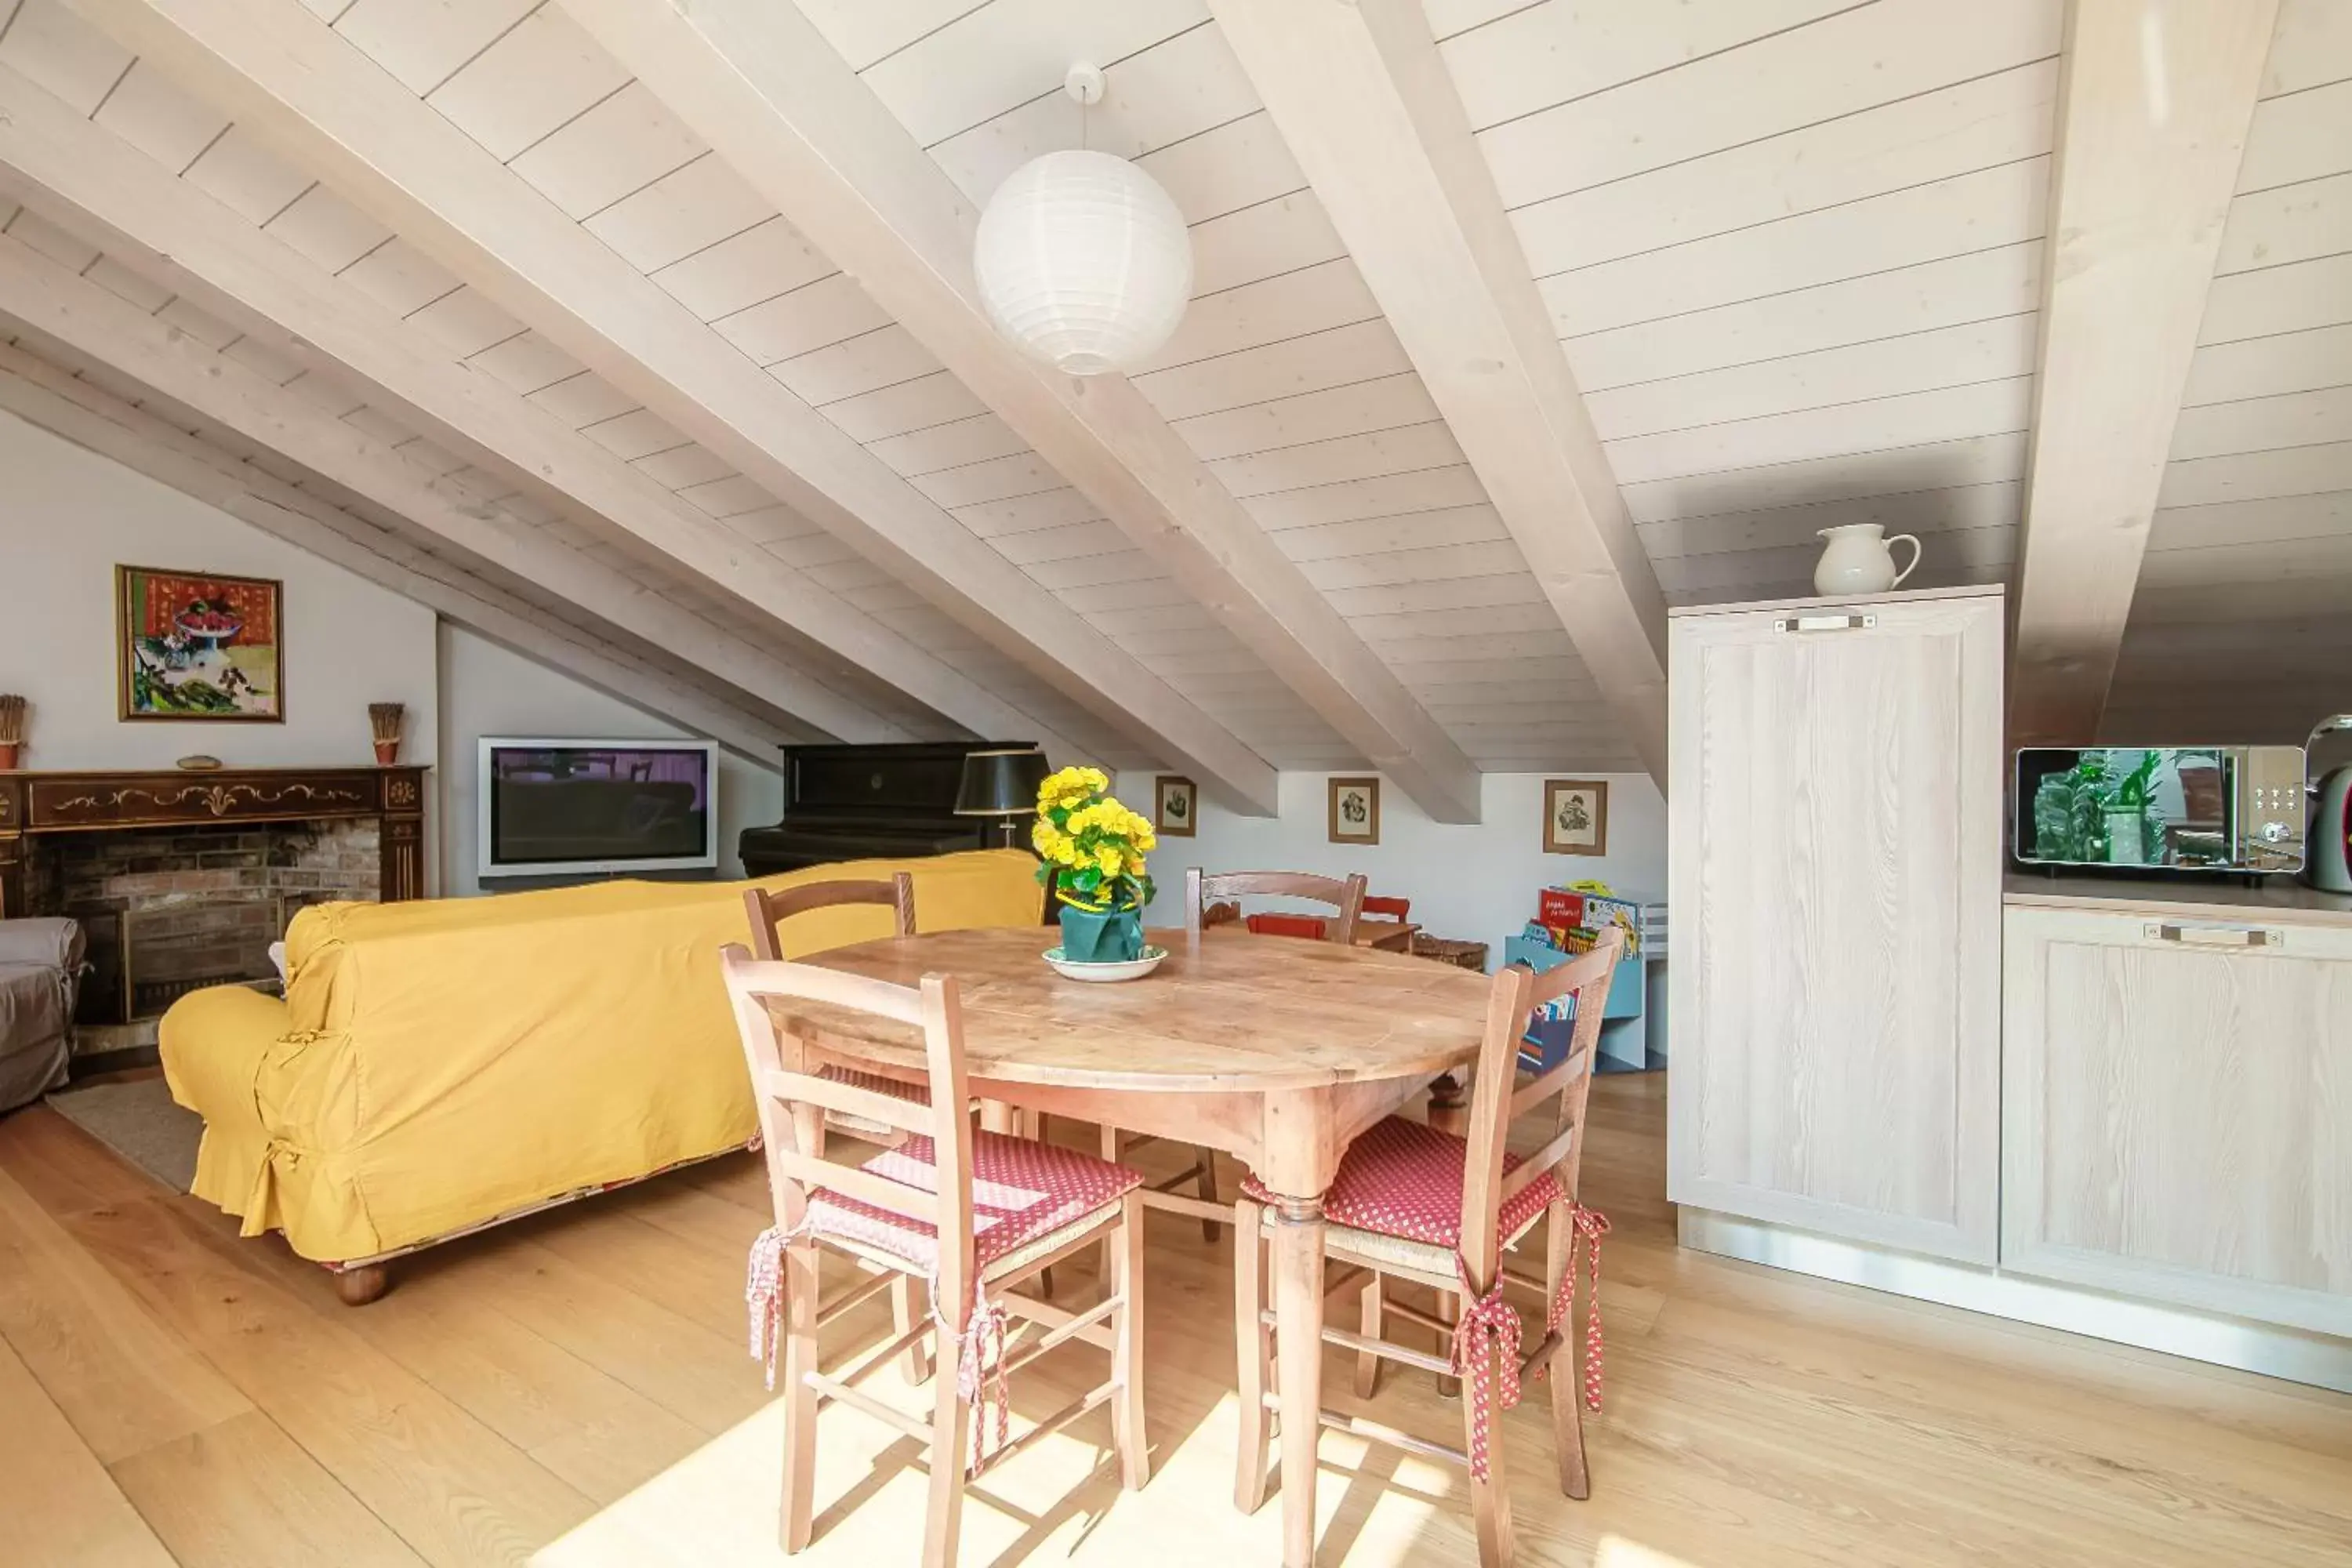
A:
(1134, 969)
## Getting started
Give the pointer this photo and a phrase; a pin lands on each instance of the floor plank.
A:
(245, 1495)
(58, 1507)
(125, 1382)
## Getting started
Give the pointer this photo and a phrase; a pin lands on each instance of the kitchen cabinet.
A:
(1834, 799)
(2176, 1100)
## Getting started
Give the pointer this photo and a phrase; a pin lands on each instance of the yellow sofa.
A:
(439, 1064)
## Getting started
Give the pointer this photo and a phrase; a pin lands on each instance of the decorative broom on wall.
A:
(12, 728)
(383, 719)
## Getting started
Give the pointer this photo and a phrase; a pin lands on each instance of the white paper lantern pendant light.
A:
(1082, 260)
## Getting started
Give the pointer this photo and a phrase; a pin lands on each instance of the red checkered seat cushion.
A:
(896, 1088)
(1022, 1193)
(1404, 1179)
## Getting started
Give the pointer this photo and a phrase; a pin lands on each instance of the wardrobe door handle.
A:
(1824, 623)
(2217, 936)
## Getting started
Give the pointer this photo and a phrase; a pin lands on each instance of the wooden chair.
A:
(910, 1213)
(770, 909)
(1415, 1204)
(1206, 898)
(1205, 891)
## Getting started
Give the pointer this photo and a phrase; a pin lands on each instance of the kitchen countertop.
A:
(2276, 898)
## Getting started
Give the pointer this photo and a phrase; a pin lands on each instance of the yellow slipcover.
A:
(438, 1064)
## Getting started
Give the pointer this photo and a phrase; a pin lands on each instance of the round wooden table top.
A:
(1238, 1012)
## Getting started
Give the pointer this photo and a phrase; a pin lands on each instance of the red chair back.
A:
(1306, 926)
(1387, 908)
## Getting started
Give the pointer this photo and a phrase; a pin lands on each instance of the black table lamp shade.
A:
(1000, 783)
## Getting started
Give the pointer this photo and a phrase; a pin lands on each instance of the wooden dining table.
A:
(1277, 1050)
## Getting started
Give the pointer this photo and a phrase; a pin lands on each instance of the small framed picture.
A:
(1355, 811)
(1175, 807)
(1576, 817)
(197, 645)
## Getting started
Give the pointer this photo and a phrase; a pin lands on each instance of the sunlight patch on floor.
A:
(1616, 1552)
(1059, 1501)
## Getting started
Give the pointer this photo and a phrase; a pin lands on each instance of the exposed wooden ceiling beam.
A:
(128, 204)
(284, 75)
(760, 83)
(99, 325)
(76, 411)
(1362, 97)
(2154, 102)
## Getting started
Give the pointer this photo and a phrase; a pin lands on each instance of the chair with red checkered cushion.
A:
(1413, 1204)
(976, 1214)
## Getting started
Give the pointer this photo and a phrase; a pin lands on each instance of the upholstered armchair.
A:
(41, 970)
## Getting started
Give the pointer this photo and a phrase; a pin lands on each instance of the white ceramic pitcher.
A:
(1860, 558)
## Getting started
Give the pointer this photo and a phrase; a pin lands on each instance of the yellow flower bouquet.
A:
(1092, 852)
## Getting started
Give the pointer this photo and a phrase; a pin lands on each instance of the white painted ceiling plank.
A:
(1973, 212)
(1980, 286)
(1857, 59)
(1910, 419)
(758, 82)
(274, 65)
(529, 83)
(2258, 476)
(1542, 55)
(1364, 100)
(1913, 141)
(2293, 296)
(1884, 367)
(2153, 118)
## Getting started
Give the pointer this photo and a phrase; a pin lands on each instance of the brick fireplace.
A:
(169, 910)
(183, 880)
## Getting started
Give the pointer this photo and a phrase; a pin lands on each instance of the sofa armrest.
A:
(55, 943)
(213, 1042)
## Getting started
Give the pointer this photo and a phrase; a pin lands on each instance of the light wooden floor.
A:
(575, 1390)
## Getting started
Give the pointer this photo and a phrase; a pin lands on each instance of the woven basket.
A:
(1471, 955)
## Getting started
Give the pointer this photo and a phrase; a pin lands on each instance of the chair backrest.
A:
(771, 909)
(1344, 896)
(1499, 1099)
(792, 1098)
(1387, 907)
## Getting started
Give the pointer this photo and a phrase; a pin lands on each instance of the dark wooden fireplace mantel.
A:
(35, 804)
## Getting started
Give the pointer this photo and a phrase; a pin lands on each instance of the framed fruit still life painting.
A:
(199, 646)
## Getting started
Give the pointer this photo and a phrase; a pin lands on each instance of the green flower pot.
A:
(1105, 936)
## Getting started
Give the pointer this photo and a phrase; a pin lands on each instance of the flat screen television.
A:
(564, 808)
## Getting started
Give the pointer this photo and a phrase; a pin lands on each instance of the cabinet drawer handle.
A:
(2217, 936)
(1824, 623)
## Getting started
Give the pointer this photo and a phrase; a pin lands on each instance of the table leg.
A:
(1299, 1365)
(1449, 1108)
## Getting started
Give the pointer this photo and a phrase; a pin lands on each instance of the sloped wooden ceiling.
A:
(1791, 252)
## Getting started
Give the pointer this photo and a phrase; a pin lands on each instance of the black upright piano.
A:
(856, 803)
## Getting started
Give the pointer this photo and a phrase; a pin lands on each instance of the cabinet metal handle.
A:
(1824, 623)
(2217, 936)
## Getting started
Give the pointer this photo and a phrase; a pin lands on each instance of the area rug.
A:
(138, 1120)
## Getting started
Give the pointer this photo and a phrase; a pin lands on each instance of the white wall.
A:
(69, 517)
(1475, 883)
(488, 689)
